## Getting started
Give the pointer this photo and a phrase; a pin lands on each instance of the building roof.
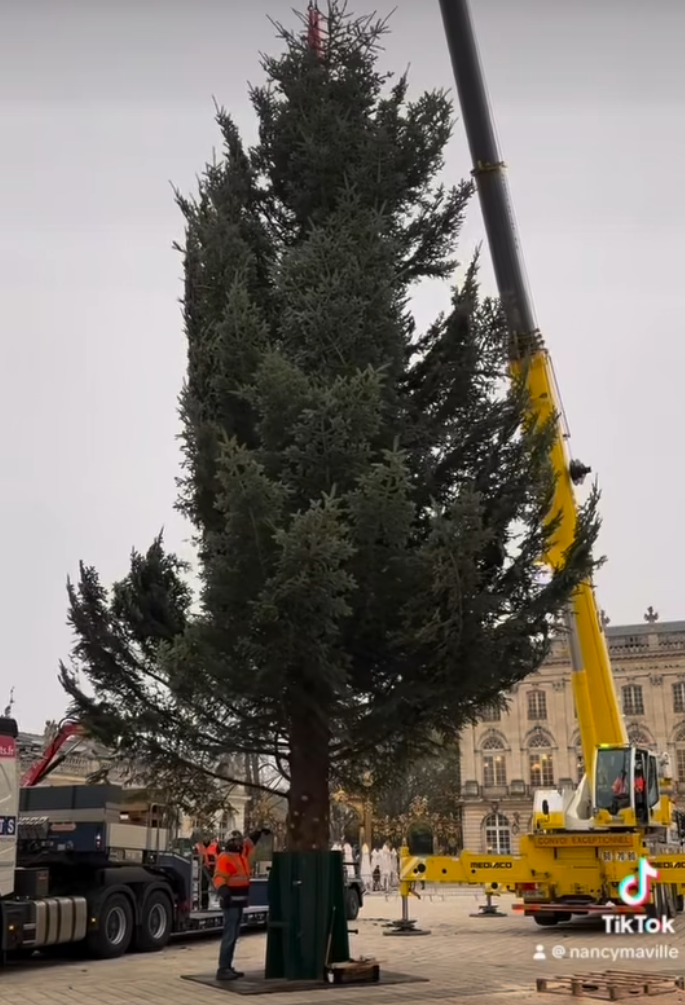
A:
(645, 628)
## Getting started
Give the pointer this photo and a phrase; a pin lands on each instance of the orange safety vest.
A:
(639, 785)
(233, 871)
(208, 854)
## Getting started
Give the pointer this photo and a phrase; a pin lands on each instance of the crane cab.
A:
(627, 791)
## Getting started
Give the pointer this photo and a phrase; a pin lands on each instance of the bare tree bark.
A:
(310, 761)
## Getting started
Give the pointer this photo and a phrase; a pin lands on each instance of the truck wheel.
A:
(113, 935)
(545, 920)
(156, 922)
(352, 904)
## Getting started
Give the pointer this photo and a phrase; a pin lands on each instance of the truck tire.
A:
(156, 923)
(352, 903)
(114, 932)
(545, 920)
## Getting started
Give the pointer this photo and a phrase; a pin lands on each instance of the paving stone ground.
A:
(463, 958)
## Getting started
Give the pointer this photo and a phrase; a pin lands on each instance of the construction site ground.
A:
(463, 958)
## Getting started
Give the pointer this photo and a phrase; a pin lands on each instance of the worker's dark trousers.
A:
(232, 918)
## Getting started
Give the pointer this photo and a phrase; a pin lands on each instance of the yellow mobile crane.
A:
(583, 842)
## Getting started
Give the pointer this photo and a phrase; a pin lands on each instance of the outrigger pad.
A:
(404, 926)
(256, 984)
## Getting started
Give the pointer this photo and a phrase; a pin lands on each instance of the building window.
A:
(632, 700)
(679, 697)
(679, 766)
(541, 770)
(497, 834)
(541, 762)
(494, 770)
(494, 763)
(537, 705)
(580, 761)
(490, 715)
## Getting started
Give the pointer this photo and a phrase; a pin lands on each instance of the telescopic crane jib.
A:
(583, 842)
(589, 656)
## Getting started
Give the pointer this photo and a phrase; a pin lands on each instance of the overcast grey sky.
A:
(102, 104)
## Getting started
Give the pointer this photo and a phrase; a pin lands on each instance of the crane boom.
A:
(599, 713)
(49, 759)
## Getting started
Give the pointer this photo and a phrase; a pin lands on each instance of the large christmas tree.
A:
(368, 498)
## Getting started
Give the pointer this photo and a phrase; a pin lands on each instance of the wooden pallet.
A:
(610, 985)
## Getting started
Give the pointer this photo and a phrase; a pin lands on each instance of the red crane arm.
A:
(42, 767)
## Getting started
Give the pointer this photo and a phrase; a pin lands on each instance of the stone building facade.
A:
(537, 743)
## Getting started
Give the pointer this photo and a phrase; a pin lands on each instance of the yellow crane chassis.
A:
(572, 869)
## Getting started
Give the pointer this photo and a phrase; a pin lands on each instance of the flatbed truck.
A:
(72, 871)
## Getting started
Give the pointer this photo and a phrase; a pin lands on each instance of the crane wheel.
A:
(665, 903)
(546, 920)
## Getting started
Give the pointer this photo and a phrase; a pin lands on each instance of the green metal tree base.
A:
(307, 918)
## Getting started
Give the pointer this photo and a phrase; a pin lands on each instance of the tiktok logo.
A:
(635, 890)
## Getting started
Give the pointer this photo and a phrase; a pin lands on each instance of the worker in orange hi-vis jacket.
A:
(232, 883)
(212, 852)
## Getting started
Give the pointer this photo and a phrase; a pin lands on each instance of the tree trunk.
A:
(309, 799)
(256, 768)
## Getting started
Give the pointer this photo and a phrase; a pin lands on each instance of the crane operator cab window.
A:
(626, 778)
(613, 780)
(646, 784)
(640, 787)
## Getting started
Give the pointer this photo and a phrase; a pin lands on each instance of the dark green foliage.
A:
(119, 638)
(369, 501)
